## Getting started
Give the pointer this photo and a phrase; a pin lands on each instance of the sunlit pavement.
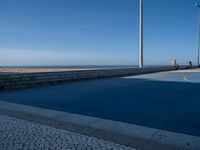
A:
(192, 76)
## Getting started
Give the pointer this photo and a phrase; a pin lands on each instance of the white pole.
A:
(198, 35)
(141, 36)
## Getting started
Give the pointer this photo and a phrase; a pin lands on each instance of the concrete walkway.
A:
(17, 134)
(125, 134)
(97, 95)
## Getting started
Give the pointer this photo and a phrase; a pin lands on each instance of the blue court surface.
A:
(167, 100)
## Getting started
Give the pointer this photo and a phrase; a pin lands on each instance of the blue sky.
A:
(96, 32)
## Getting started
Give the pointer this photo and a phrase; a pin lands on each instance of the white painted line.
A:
(187, 80)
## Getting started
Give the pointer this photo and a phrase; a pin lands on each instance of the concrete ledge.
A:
(20, 80)
(123, 133)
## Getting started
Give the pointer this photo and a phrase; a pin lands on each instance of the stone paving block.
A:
(16, 134)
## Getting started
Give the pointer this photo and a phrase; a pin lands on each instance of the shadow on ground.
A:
(173, 106)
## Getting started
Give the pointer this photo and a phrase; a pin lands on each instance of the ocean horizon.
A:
(81, 66)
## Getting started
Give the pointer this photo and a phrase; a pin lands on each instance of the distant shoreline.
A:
(37, 69)
(81, 66)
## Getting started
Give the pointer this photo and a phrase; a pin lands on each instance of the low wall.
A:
(20, 80)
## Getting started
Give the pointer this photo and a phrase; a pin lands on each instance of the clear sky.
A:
(96, 32)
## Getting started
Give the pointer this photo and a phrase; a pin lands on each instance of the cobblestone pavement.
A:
(16, 134)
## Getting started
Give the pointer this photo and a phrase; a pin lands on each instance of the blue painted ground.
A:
(169, 100)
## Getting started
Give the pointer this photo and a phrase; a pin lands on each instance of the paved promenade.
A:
(159, 98)
(16, 134)
(110, 105)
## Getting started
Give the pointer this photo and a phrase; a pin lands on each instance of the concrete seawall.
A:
(21, 80)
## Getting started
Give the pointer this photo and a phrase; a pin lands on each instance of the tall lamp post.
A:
(141, 36)
(198, 38)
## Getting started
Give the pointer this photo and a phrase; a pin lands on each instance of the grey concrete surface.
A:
(17, 134)
(182, 114)
(159, 100)
(138, 136)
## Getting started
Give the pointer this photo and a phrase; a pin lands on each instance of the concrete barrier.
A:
(21, 80)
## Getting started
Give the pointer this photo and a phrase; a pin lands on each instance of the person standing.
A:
(174, 64)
